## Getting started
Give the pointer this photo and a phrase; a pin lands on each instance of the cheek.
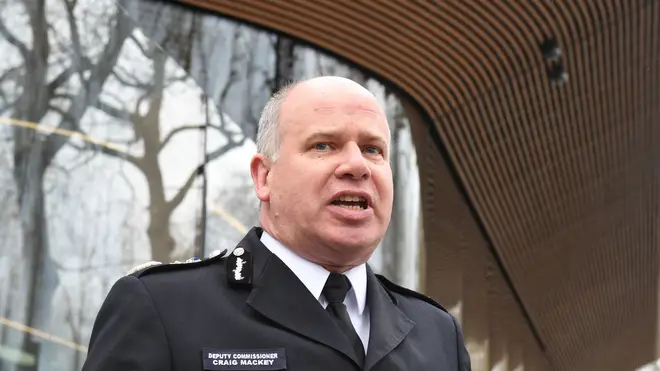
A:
(385, 189)
(299, 186)
(384, 184)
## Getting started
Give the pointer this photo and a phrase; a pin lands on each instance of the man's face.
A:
(330, 189)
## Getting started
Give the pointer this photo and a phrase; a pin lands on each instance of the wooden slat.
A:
(563, 180)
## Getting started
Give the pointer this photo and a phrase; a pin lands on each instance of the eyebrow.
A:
(370, 137)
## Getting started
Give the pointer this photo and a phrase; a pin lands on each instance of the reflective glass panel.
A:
(126, 130)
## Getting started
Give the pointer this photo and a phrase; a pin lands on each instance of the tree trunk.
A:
(4, 330)
(30, 164)
(40, 271)
(161, 241)
(160, 238)
(33, 153)
(148, 127)
(76, 338)
(359, 77)
(395, 234)
(284, 60)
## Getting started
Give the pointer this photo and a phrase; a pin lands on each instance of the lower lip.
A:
(350, 214)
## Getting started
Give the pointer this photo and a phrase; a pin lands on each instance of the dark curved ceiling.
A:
(563, 177)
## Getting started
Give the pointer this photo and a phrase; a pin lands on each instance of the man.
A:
(296, 293)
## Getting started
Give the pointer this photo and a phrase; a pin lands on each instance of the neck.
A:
(336, 268)
(328, 264)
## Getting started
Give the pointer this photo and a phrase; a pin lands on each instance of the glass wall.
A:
(126, 130)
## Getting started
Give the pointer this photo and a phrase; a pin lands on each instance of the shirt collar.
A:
(313, 276)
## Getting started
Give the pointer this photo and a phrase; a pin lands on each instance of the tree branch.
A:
(68, 316)
(94, 85)
(181, 194)
(99, 147)
(11, 74)
(66, 116)
(224, 149)
(135, 161)
(174, 79)
(134, 84)
(78, 55)
(143, 49)
(6, 106)
(176, 200)
(108, 150)
(63, 96)
(82, 161)
(138, 120)
(118, 113)
(60, 79)
(233, 71)
(25, 52)
(172, 133)
(64, 76)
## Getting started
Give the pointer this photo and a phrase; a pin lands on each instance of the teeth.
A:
(351, 198)
(352, 207)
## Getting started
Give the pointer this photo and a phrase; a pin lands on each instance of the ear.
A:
(259, 169)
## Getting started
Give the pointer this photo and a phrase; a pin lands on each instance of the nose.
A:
(353, 164)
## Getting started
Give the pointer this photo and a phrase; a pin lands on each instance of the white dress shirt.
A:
(313, 276)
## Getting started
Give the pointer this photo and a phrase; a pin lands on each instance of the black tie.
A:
(335, 290)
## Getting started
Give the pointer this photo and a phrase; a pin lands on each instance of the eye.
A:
(373, 150)
(321, 146)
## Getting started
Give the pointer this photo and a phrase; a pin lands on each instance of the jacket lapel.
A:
(280, 296)
(389, 325)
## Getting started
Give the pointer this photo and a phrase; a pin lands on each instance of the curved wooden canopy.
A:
(562, 177)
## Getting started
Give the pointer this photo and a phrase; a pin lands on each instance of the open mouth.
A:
(351, 202)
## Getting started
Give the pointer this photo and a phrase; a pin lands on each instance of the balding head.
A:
(322, 172)
(268, 131)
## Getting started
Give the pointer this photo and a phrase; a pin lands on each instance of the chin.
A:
(357, 239)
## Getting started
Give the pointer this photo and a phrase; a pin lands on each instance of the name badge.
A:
(248, 359)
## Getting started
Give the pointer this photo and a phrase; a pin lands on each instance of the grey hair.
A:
(268, 141)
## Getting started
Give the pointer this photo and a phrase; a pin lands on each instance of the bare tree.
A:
(359, 77)
(147, 130)
(284, 61)
(256, 95)
(34, 152)
(199, 43)
(395, 239)
(8, 298)
(77, 314)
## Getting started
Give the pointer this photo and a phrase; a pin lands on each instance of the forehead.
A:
(308, 111)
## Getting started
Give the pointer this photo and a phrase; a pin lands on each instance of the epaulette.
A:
(407, 292)
(154, 266)
(142, 267)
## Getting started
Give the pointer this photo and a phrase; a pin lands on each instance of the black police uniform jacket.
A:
(180, 316)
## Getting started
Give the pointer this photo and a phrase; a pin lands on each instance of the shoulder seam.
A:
(408, 292)
(176, 266)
